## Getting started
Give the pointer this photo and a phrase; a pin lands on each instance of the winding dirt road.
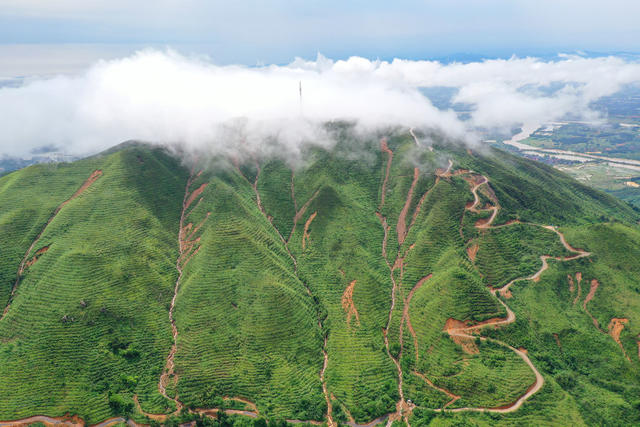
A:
(466, 332)
(48, 421)
(70, 422)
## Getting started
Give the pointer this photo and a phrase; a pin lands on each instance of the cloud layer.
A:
(166, 98)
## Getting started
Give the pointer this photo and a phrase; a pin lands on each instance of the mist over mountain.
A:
(165, 98)
(328, 214)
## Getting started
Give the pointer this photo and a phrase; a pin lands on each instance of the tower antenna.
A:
(300, 90)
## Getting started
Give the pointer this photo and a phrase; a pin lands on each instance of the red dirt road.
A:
(459, 330)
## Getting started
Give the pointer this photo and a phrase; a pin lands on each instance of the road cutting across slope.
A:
(466, 332)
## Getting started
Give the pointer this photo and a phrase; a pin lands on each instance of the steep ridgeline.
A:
(400, 285)
(86, 325)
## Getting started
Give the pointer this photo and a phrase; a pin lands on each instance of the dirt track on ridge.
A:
(25, 263)
(403, 408)
(188, 247)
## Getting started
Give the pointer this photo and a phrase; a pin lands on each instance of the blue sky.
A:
(253, 32)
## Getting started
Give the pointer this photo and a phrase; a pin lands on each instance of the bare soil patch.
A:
(37, 255)
(557, 338)
(401, 227)
(616, 325)
(472, 251)
(592, 292)
(589, 297)
(305, 234)
(348, 305)
(466, 342)
(194, 195)
(578, 280)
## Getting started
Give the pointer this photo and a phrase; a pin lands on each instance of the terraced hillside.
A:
(379, 282)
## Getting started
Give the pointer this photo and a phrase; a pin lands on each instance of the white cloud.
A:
(171, 99)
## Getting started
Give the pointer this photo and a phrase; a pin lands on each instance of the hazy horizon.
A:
(275, 32)
(83, 76)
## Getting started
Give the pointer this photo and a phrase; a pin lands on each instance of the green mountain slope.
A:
(88, 320)
(376, 281)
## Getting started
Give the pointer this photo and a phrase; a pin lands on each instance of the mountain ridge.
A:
(285, 342)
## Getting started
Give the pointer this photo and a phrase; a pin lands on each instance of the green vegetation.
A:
(621, 182)
(613, 140)
(510, 252)
(247, 327)
(582, 359)
(87, 326)
(283, 265)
